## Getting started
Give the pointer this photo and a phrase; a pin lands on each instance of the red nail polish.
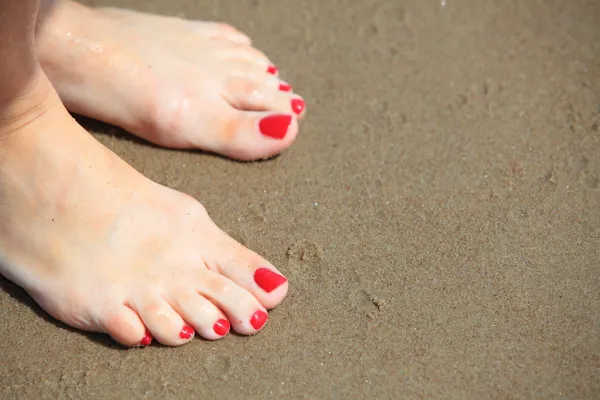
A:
(221, 328)
(259, 319)
(268, 280)
(298, 106)
(187, 332)
(272, 69)
(284, 87)
(146, 340)
(275, 126)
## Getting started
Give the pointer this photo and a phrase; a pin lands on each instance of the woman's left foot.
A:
(176, 83)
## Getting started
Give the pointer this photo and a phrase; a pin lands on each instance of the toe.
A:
(219, 30)
(237, 52)
(248, 88)
(201, 314)
(270, 100)
(253, 273)
(249, 135)
(162, 321)
(126, 327)
(243, 310)
(262, 280)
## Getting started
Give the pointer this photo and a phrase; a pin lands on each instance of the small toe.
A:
(163, 322)
(126, 327)
(224, 31)
(251, 90)
(243, 310)
(270, 100)
(206, 318)
(249, 54)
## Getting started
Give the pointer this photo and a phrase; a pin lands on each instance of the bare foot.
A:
(176, 83)
(104, 249)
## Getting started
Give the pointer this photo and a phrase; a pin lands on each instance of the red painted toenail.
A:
(146, 340)
(187, 332)
(272, 69)
(298, 106)
(259, 319)
(268, 280)
(221, 327)
(275, 126)
(284, 87)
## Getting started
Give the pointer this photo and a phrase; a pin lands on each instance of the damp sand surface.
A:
(438, 216)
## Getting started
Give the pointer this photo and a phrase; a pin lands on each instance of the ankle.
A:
(24, 109)
(36, 97)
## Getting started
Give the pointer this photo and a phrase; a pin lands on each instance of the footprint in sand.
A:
(305, 252)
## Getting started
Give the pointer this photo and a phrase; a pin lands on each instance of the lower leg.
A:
(17, 31)
(45, 8)
(19, 67)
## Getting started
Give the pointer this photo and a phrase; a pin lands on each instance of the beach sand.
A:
(438, 216)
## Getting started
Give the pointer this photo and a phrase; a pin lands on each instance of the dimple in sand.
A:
(96, 244)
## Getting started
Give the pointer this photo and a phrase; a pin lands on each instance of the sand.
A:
(438, 216)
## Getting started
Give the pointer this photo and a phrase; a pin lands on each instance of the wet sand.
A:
(438, 216)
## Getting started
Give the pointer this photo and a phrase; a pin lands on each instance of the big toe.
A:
(249, 135)
(251, 272)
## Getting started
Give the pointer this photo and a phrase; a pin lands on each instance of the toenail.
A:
(259, 319)
(298, 106)
(272, 69)
(187, 332)
(221, 327)
(284, 87)
(146, 340)
(275, 126)
(268, 280)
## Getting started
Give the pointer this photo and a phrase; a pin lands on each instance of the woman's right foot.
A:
(173, 82)
(103, 249)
